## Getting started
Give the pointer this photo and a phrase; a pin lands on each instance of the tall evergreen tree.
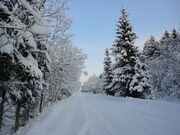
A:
(124, 53)
(108, 76)
(126, 58)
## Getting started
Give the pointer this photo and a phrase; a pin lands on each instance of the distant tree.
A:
(94, 84)
(107, 75)
(151, 48)
(174, 34)
(165, 37)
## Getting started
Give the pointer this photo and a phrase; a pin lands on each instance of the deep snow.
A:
(89, 114)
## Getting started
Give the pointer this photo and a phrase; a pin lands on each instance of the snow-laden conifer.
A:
(126, 67)
(107, 75)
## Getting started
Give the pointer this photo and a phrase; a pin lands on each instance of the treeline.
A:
(38, 63)
(163, 60)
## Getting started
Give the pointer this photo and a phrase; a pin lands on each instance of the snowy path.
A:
(88, 114)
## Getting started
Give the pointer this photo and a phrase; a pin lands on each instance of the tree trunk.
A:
(27, 114)
(2, 95)
(41, 103)
(17, 117)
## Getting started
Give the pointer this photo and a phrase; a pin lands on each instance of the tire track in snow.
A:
(94, 119)
(85, 129)
(130, 119)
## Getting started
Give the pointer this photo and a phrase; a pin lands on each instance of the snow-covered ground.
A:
(89, 114)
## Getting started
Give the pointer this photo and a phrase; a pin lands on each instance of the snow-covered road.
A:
(89, 114)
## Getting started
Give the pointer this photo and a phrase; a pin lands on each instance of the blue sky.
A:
(94, 24)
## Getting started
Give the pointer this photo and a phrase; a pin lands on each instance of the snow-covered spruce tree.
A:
(23, 77)
(140, 84)
(39, 57)
(107, 75)
(12, 52)
(6, 63)
(126, 68)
